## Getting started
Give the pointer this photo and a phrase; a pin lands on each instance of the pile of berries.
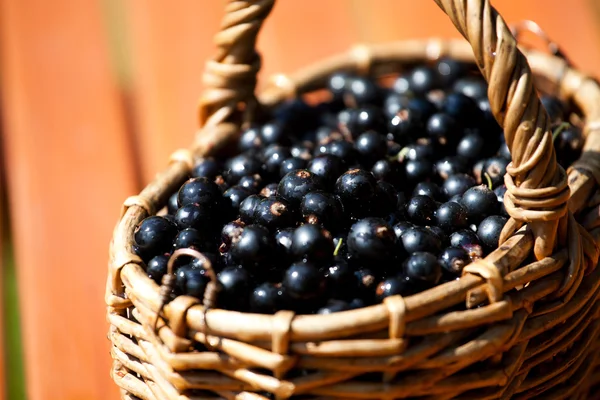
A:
(375, 192)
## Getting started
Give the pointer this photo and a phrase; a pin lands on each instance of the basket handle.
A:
(537, 186)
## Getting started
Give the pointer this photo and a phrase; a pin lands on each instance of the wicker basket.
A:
(531, 324)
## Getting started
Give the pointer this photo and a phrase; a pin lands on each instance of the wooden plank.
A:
(68, 170)
(169, 43)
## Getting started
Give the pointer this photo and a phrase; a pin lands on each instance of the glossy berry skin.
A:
(200, 191)
(303, 281)
(267, 298)
(248, 207)
(273, 158)
(342, 282)
(449, 70)
(252, 183)
(453, 260)
(250, 139)
(568, 144)
(283, 240)
(273, 214)
(356, 189)
(321, 208)
(241, 165)
(233, 198)
(472, 147)
(172, 204)
(236, 285)
(457, 185)
(452, 165)
(500, 191)
(333, 306)
(401, 227)
(296, 184)
(269, 190)
(418, 239)
(451, 216)
(207, 168)
(339, 148)
(231, 232)
(195, 239)
(554, 107)
(420, 151)
(388, 201)
(357, 121)
(422, 79)
(254, 247)
(337, 83)
(327, 167)
(371, 146)
(442, 128)
(479, 202)
(312, 243)
(393, 286)
(194, 216)
(371, 239)
(361, 91)
(474, 87)
(489, 231)
(387, 171)
(154, 236)
(274, 133)
(495, 168)
(428, 189)
(424, 268)
(157, 267)
(191, 282)
(464, 237)
(418, 170)
(291, 164)
(421, 210)
(463, 108)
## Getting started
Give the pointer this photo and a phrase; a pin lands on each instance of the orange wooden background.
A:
(79, 137)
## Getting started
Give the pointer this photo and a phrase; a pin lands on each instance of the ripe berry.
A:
(453, 260)
(356, 189)
(303, 281)
(194, 216)
(252, 183)
(274, 214)
(336, 84)
(442, 128)
(489, 231)
(327, 167)
(339, 148)
(357, 121)
(568, 143)
(269, 190)
(479, 202)
(248, 207)
(250, 139)
(472, 86)
(463, 108)
(500, 191)
(449, 70)
(342, 282)
(402, 227)
(472, 147)
(371, 239)
(312, 243)
(387, 171)
(273, 157)
(195, 239)
(554, 107)
(428, 189)
(334, 306)
(236, 284)
(207, 168)
(172, 204)
(463, 237)
(421, 210)
(191, 281)
(423, 268)
(361, 91)
(230, 232)
(418, 239)
(200, 191)
(234, 197)
(451, 216)
(394, 285)
(418, 170)
(422, 79)
(157, 267)
(274, 133)
(452, 165)
(296, 184)
(321, 208)
(254, 247)
(154, 236)
(291, 164)
(371, 146)
(495, 168)
(457, 185)
(241, 165)
(267, 298)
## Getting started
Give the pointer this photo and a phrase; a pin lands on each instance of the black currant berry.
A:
(291, 164)
(356, 189)
(342, 282)
(267, 298)
(428, 189)
(194, 216)
(241, 165)
(154, 236)
(303, 281)
(248, 207)
(201, 191)
(371, 239)
(296, 184)
(421, 210)
(453, 260)
(494, 169)
(312, 243)
(423, 268)
(157, 268)
(194, 239)
(419, 239)
(451, 216)
(273, 214)
(457, 184)
(327, 167)
(489, 231)
(253, 248)
(479, 202)
(321, 208)
(394, 285)
(235, 284)
(370, 146)
(207, 168)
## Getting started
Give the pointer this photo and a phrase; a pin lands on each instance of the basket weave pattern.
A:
(531, 322)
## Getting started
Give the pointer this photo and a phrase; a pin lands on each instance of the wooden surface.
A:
(72, 156)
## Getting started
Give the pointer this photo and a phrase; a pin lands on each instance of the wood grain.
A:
(68, 171)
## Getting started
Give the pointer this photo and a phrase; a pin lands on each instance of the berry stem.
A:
(488, 178)
(559, 129)
(337, 247)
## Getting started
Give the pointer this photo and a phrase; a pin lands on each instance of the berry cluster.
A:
(377, 191)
